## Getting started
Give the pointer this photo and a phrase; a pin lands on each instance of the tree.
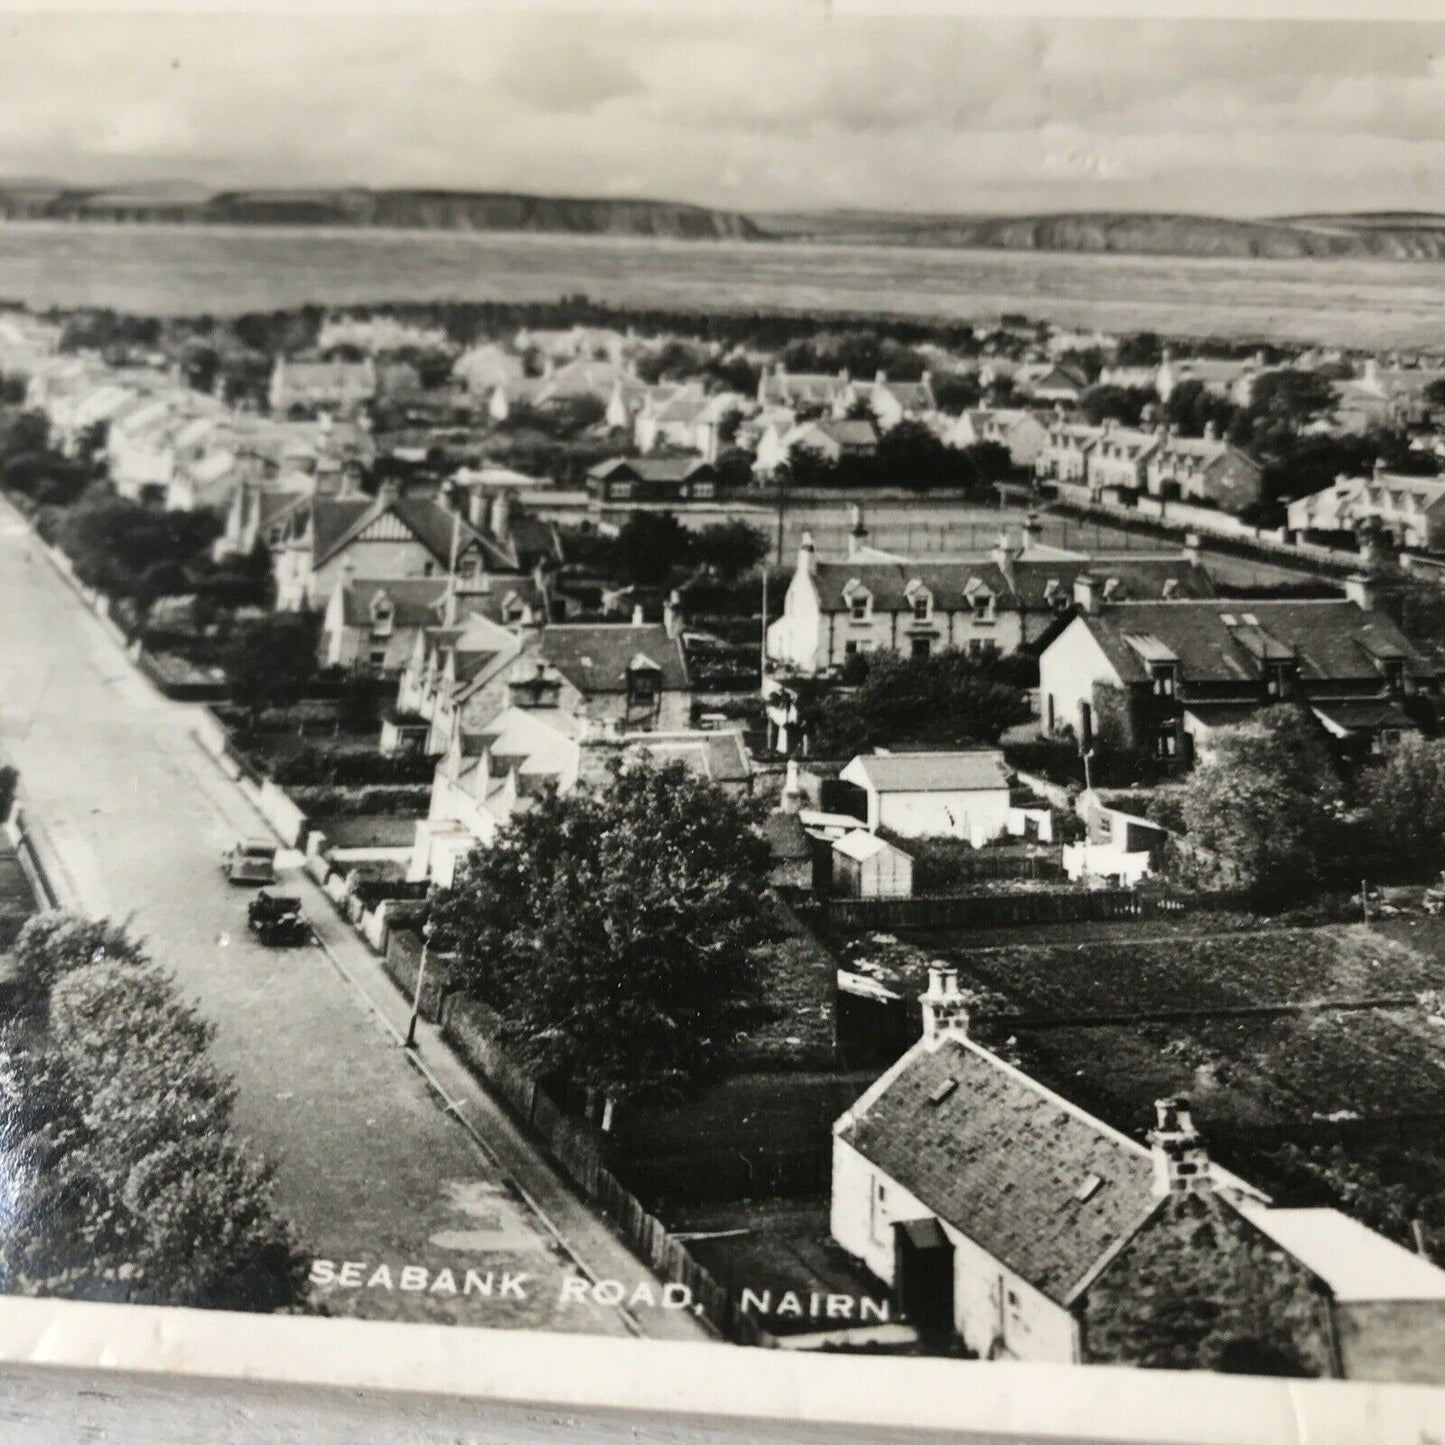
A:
(955, 391)
(54, 944)
(650, 546)
(612, 929)
(948, 699)
(1123, 404)
(1292, 397)
(272, 662)
(1141, 349)
(1403, 802)
(729, 548)
(1264, 803)
(1434, 392)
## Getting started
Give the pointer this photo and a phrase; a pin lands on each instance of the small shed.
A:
(867, 866)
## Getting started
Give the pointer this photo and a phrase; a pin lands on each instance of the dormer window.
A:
(982, 606)
(921, 601)
(1395, 674)
(860, 603)
(1165, 677)
(383, 615)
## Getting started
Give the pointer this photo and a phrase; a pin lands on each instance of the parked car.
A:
(276, 919)
(251, 861)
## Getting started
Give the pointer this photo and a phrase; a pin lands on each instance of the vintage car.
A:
(277, 921)
(251, 861)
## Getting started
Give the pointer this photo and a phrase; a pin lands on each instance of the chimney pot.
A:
(1181, 1162)
(945, 1010)
(1360, 589)
(1086, 593)
(637, 618)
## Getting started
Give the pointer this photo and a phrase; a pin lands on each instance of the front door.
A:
(923, 1275)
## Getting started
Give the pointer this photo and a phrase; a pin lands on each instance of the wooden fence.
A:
(996, 910)
(572, 1144)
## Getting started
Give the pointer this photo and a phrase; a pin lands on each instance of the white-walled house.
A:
(934, 795)
(1000, 1213)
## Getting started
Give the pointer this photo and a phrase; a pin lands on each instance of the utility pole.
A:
(426, 931)
(763, 638)
(782, 479)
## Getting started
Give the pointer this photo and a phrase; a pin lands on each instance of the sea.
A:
(173, 270)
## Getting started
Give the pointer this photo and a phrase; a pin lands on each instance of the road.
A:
(370, 1167)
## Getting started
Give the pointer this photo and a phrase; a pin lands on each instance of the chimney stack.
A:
(945, 1010)
(1192, 548)
(1004, 549)
(791, 798)
(1086, 593)
(1211, 432)
(880, 377)
(858, 533)
(1033, 532)
(672, 613)
(1379, 468)
(477, 507)
(807, 556)
(1360, 589)
(1181, 1162)
(637, 618)
(501, 520)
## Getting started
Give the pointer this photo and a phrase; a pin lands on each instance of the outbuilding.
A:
(921, 795)
(867, 866)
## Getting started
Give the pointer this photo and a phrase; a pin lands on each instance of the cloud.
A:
(789, 108)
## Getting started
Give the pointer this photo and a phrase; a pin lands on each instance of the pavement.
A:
(383, 1157)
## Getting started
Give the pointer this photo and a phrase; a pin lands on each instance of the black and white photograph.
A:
(766, 677)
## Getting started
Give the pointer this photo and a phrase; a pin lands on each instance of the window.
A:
(621, 489)
(428, 569)
(1279, 680)
(922, 605)
(378, 657)
(922, 646)
(1168, 744)
(859, 606)
(1164, 680)
(1395, 674)
(850, 649)
(983, 607)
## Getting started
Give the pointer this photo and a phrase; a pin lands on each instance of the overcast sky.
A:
(791, 109)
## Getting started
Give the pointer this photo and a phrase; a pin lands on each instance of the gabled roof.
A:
(339, 521)
(1007, 1163)
(595, 657)
(861, 845)
(789, 387)
(1225, 642)
(964, 772)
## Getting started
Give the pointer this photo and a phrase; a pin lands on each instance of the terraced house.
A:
(1203, 469)
(872, 602)
(1164, 675)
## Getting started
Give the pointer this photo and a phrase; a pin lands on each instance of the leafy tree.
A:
(955, 391)
(1192, 406)
(729, 548)
(205, 1229)
(1143, 348)
(54, 944)
(1434, 392)
(650, 546)
(1403, 801)
(114, 542)
(1123, 404)
(1293, 397)
(1264, 803)
(612, 929)
(272, 662)
(948, 699)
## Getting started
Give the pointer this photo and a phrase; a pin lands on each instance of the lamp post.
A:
(426, 932)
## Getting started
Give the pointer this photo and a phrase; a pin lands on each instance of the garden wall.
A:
(1001, 910)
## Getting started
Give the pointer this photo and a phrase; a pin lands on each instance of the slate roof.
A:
(1026, 583)
(595, 657)
(651, 469)
(846, 431)
(415, 600)
(1004, 1161)
(1330, 640)
(718, 756)
(337, 522)
(976, 771)
(789, 387)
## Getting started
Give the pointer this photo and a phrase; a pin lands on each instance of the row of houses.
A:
(1158, 461)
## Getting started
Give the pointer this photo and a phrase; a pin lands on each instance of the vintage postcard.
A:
(729, 710)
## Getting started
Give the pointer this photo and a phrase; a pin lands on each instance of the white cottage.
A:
(923, 795)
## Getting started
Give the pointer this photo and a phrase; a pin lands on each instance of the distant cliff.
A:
(1401, 236)
(425, 210)
(1394, 235)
